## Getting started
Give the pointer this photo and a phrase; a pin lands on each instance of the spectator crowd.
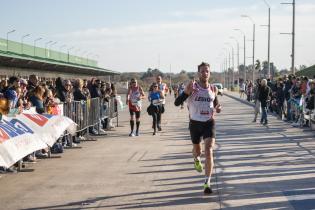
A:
(18, 94)
(290, 98)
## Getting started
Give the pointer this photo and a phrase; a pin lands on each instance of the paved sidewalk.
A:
(257, 167)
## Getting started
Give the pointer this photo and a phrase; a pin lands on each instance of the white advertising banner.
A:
(27, 132)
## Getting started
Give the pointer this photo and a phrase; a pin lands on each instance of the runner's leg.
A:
(154, 117)
(132, 122)
(159, 118)
(196, 151)
(137, 123)
(209, 143)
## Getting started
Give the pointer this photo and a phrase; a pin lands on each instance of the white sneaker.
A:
(131, 134)
(102, 131)
(82, 138)
(41, 155)
(296, 124)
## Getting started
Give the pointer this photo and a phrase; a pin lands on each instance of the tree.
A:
(152, 73)
(301, 67)
(258, 65)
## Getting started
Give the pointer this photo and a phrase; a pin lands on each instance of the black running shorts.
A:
(201, 129)
(133, 113)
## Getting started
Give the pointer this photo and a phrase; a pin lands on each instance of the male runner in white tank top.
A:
(163, 88)
(202, 102)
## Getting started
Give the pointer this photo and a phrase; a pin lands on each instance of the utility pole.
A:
(238, 58)
(170, 76)
(268, 58)
(293, 36)
(254, 26)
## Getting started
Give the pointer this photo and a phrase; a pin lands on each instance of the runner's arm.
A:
(162, 95)
(216, 101)
(142, 95)
(127, 96)
(180, 99)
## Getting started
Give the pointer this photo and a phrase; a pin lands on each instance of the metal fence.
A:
(301, 114)
(90, 113)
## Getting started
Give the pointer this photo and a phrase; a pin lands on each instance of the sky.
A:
(172, 35)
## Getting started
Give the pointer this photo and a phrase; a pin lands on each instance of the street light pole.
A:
(228, 65)
(268, 37)
(227, 43)
(238, 57)
(35, 45)
(8, 38)
(52, 44)
(221, 68)
(293, 36)
(69, 53)
(22, 44)
(46, 47)
(62, 46)
(170, 75)
(226, 71)
(254, 26)
(244, 52)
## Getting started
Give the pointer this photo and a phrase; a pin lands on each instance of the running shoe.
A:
(207, 189)
(131, 134)
(137, 133)
(198, 166)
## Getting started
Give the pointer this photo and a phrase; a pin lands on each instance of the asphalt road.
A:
(256, 167)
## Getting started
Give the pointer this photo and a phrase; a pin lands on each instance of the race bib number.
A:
(205, 109)
(156, 102)
(136, 102)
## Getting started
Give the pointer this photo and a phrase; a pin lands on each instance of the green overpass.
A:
(24, 56)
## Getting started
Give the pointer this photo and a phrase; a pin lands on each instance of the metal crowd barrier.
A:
(304, 116)
(309, 116)
(85, 114)
(113, 109)
(91, 112)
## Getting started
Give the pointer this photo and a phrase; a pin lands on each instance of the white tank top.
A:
(200, 103)
(162, 87)
(134, 97)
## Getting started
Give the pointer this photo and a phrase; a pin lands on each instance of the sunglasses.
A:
(155, 86)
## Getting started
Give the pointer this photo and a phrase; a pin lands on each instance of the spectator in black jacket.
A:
(257, 108)
(280, 97)
(264, 97)
(96, 89)
(287, 87)
(85, 89)
(60, 90)
(78, 94)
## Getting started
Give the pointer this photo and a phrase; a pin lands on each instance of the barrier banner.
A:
(28, 132)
